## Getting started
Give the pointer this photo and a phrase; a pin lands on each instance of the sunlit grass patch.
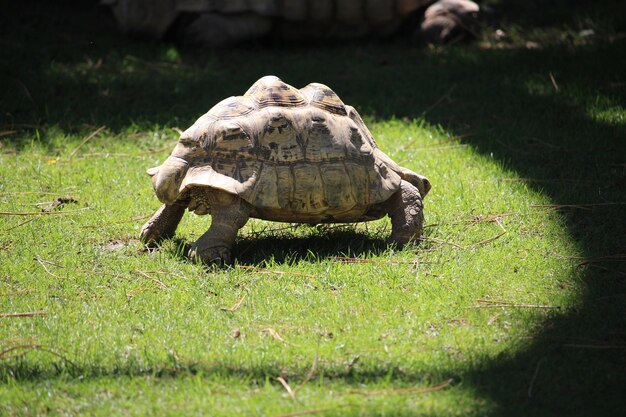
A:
(492, 267)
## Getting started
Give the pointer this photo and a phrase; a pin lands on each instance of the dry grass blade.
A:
(6, 245)
(87, 139)
(554, 84)
(25, 314)
(287, 387)
(29, 347)
(270, 272)
(20, 224)
(493, 319)
(405, 391)
(41, 260)
(28, 193)
(346, 259)
(583, 346)
(307, 412)
(532, 381)
(236, 306)
(43, 263)
(491, 239)
(576, 206)
(496, 304)
(444, 242)
(490, 218)
(274, 334)
(8, 132)
(42, 213)
(16, 292)
(309, 375)
(156, 281)
(135, 291)
(445, 96)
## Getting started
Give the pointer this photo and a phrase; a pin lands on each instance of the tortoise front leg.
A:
(229, 213)
(163, 224)
(406, 210)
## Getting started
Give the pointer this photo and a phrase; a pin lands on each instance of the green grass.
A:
(125, 331)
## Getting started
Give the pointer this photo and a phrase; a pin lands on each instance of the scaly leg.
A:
(163, 224)
(406, 210)
(229, 213)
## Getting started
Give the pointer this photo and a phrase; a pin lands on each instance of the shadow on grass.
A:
(285, 248)
(554, 115)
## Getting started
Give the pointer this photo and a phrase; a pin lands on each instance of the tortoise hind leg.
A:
(406, 210)
(163, 224)
(229, 213)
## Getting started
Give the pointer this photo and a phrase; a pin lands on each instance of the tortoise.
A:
(222, 22)
(281, 154)
(219, 22)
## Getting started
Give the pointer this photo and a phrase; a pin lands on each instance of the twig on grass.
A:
(135, 291)
(493, 319)
(20, 224)
(401, 391)
(592, 346)
(445, 242)
(23, 291)
(490, 218)
(532, 380)
(554, 84)
(43, 263)
(87, 139)
(577, 206)
(42, 213)
(156, 281)
(8, 132)
(28, 193)
(307, 412)
(446, 95)
(496, 304)
(346, 259)
(274, 334)
(236, 306)
(491, 239)
(25, 314)
(29, 348)
(270, 272)
(287, 387)
(309, 375)
(441, 148)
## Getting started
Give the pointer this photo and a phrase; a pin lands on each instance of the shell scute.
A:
(320, 95)
(271, 91)
(231, 107)
(307, 184)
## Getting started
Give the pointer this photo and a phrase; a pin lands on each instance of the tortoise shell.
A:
(294, 155)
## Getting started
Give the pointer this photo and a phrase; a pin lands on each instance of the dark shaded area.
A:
(281, 246)
(318, 244)
(535, 110)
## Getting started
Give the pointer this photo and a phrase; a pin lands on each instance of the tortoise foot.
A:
(214, 255)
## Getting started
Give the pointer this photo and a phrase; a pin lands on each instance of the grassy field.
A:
(513, 305)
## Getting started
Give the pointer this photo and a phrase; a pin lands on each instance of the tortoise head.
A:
(168, 177)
